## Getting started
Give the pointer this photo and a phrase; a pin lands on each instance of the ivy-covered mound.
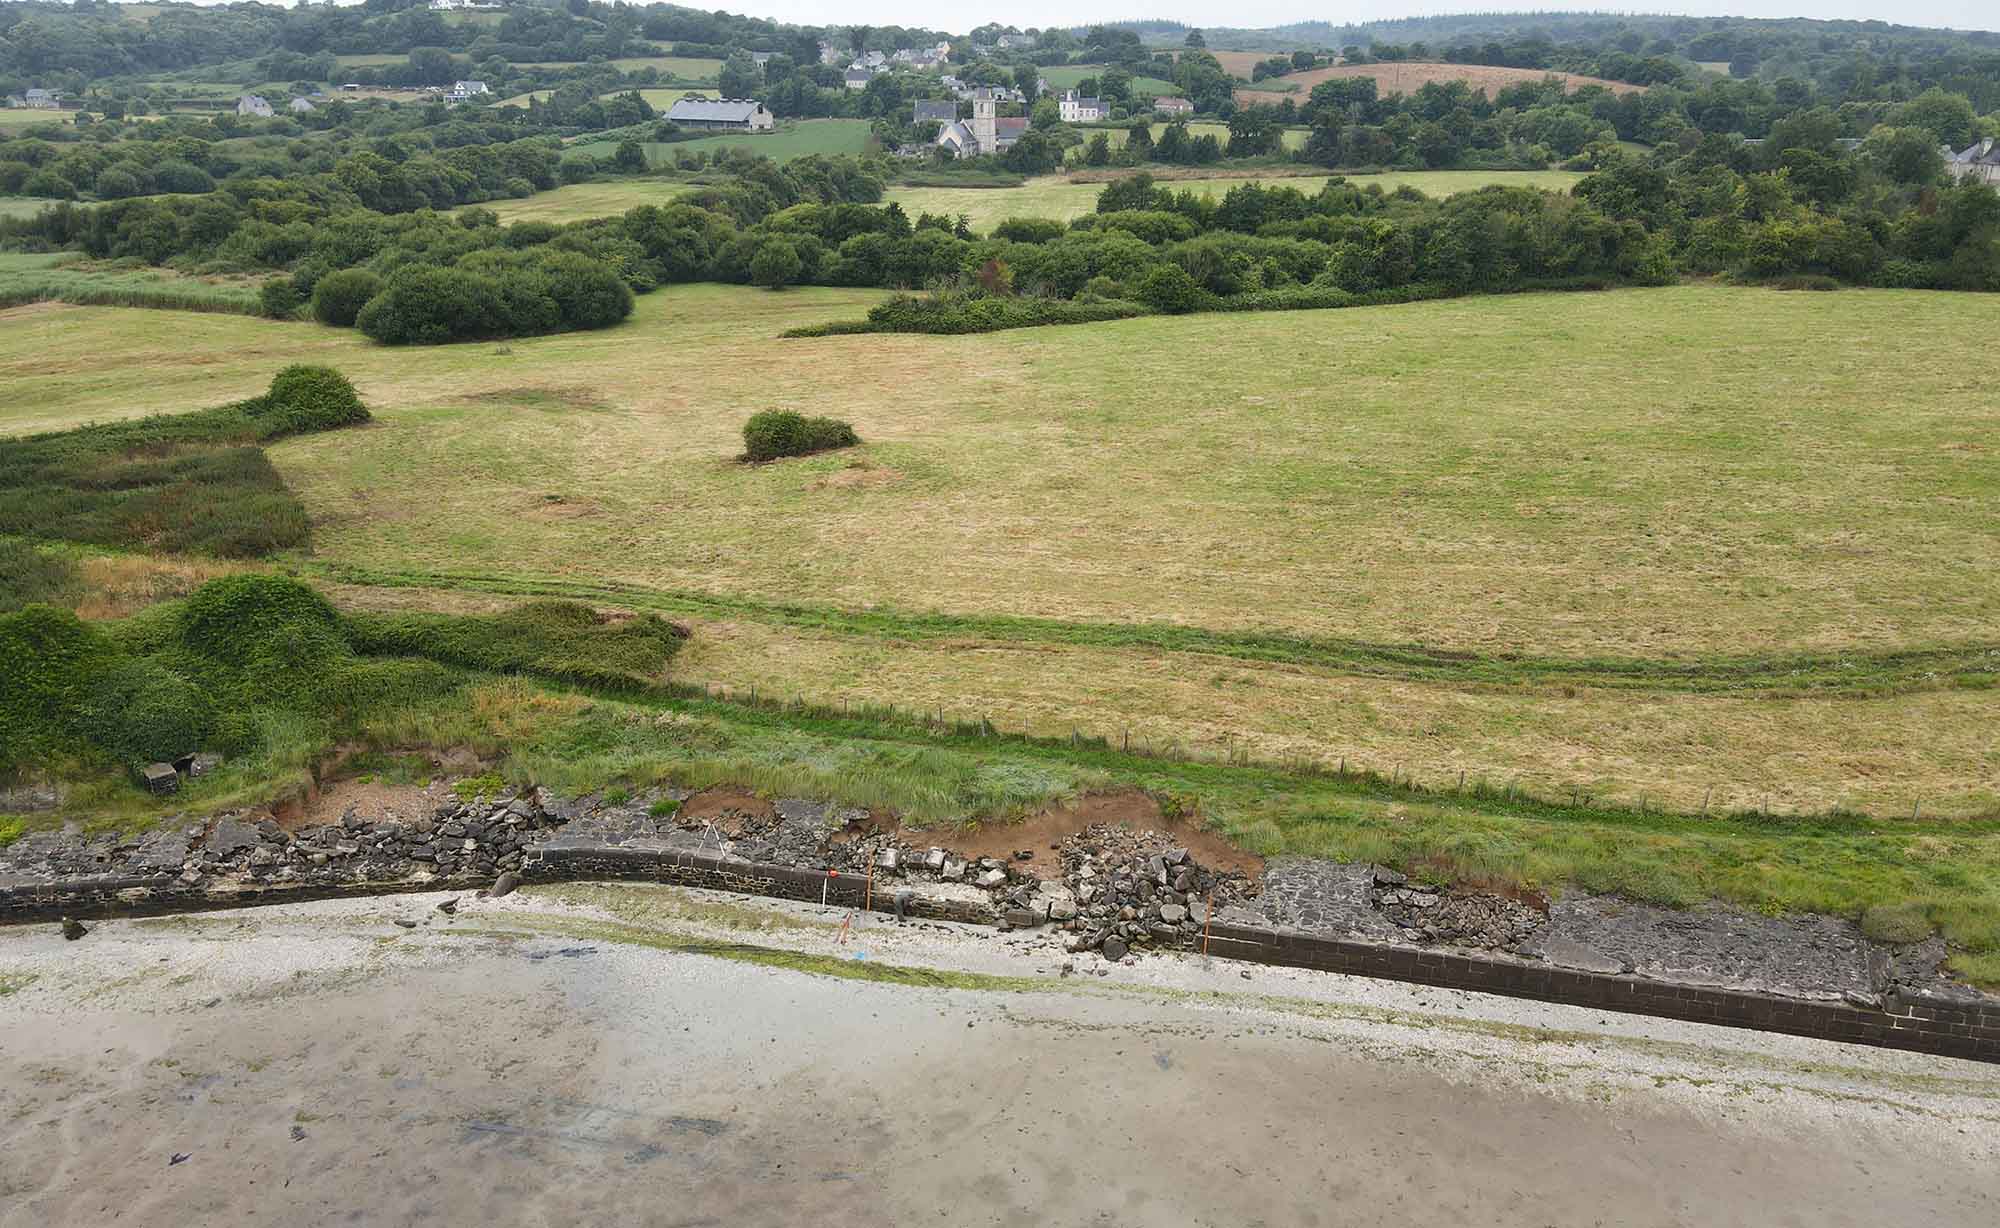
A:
(255, 661)
(196, 483)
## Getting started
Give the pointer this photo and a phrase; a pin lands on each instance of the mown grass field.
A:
(826, 137)
(578, 201)
(1631, 551)
(62, 278)
(22, 117)
(1056, 196)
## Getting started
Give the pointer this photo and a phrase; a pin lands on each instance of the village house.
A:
(301, 106)
(985, 133)
(928, 110)
(721, 114)
(1173, 106)
(464, 91)
(1979, 161)
(857, 78)
(1076, 109)
(254, 104)
(43, 100)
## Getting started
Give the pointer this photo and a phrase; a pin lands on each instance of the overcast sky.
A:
(1961, 14)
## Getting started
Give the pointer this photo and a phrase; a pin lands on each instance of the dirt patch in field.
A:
(1043, 833)
(562, 507)
(374, 800)
(731, 810)
(1408, 78)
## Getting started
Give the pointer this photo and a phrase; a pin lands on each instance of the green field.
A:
(62, 278)
(22, 117)
(1409, 476)
(22, 206)
(1701, 550)
(1065, 76)
(797, 139)
(369, 61)
(1054, 196)
(577, 201)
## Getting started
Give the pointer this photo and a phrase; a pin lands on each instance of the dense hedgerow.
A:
(194, 483)
(780, 432)
(517, 296)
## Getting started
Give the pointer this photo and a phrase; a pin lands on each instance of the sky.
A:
(1958, 14)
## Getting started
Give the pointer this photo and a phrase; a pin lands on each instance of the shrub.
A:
(52, 658)
(28, 576)
(339, 296)
(427, 305)
(1029, 230)
(116, 184)
(1168, 288)
(279, 299)
(141, 712)
(776, 264)
(560, 640)
(269, 625)
(174, 176)
(48, 184)
(587, 293)
(780, 432)
(303, 399)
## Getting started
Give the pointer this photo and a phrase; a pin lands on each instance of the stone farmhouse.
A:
(857, 78)
(253, 104)
(43, 100)
(465, 91)
(928, 110)
(1978, 161)
(1173, 106)
(721, 114)
(985, 133)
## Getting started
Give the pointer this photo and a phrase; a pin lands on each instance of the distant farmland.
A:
(1409, 78)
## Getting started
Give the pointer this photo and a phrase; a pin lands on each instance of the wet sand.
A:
(318, 1065)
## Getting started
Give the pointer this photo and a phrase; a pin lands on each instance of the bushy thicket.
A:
(29, 575)
(775, 433)
(253, 652)
(339, 296)
(195, 483)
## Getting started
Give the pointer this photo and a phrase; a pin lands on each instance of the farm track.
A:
(1877, 673)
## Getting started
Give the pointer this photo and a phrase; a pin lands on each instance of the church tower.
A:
(984, 130)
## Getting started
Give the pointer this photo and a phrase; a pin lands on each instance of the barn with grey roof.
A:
(721, 114)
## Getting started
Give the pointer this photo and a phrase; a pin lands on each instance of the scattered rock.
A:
(1114, 948)
(73, 929)
(448, 907)
(504, 885)
(406, 924)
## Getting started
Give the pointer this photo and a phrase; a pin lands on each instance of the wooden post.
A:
(868, 894)
(1207, 919)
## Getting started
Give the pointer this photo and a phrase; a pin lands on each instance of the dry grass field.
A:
(576, 202)
(1408, 78)
(1064, 198)
(1695, 477)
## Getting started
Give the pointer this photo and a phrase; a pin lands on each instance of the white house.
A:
(1173, 106)
(857, 78)
(721, 114)
(1076, 109)
(253, 104)
(43, 100)
(301, 106)
(462, 91)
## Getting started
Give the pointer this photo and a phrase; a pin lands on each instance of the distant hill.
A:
(1407, 78)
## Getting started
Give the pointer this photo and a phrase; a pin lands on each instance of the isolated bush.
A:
(115, 184)
(304, 398)
(780, 432)
(339, 297)
(176, 176)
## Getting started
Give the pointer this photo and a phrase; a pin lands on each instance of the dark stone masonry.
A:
(1105, 889)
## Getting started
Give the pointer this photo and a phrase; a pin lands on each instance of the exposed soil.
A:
(731, 810)
(1042, 833)
(373, 800)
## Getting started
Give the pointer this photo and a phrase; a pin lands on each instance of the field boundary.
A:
(1869, 674)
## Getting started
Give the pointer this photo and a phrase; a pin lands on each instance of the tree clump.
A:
(780, 432)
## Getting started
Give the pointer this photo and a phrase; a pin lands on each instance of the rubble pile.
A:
(1462, 918)
(1129, 889)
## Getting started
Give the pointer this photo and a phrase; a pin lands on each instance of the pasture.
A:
(577, 202)
(1064, 199)
(22, 117)
(1668, 579)
(1067, 76)
(680, 68)
(793, 139)
(1409, 77)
